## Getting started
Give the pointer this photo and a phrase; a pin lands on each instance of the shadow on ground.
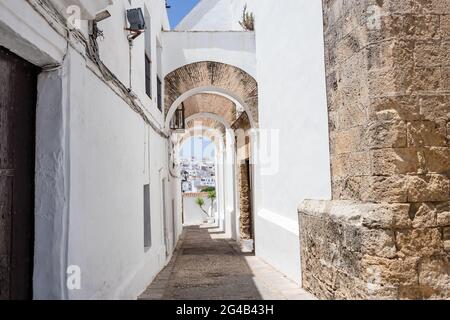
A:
(207, 266)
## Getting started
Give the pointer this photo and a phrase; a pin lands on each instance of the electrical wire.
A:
(57, 21)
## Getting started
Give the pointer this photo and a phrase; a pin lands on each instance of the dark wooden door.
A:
(18, 81)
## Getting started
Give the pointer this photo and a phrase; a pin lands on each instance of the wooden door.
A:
(18, 81)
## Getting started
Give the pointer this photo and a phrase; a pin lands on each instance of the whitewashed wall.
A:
(217, 15)
(234, 48)
(115, 52)
(89, 200)
(292, 101)
(176, 195)
(206, 15)
(193, 215)
(109, 165)
(113, 155)
(94, 156)
(292, 92)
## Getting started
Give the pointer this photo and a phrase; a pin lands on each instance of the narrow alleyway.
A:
(207, 266)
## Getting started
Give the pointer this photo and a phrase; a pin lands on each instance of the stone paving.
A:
(208, 266)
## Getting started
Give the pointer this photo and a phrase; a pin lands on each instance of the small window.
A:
(147, 218)
(148, 54)
(159, 94)
(178, 122)
(148, 76)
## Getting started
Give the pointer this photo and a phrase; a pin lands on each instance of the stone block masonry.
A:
(354, 250)
(245, 217)
(386, 232)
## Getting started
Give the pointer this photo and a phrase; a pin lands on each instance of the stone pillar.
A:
(386, 234)
(242, 135)
(245, 217)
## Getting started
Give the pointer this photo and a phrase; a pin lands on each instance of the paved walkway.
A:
(207, 266)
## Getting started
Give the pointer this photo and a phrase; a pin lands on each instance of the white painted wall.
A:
(193, 215)
(234, 48)
(292, 100)
(28, 35)
(113, 155)
(115, 51)
(89, 200)
(206, 16)
(176, 195)
(94, 155)
(217, 15)
(109, 166)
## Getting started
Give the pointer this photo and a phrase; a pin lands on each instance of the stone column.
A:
(386, 234)
(242, 135)
(245, 217)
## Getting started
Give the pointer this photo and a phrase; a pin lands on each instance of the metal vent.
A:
(136, 19)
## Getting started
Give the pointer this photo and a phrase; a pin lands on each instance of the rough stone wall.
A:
(212, 74)
(389, 93)
(245, 216)
(241, 129)
(211, 103)
(388, 71)
(355, 250)
(206, 123)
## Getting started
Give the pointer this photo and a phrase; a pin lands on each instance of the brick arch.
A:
(210, 129)
(214, 75)
(211, 103)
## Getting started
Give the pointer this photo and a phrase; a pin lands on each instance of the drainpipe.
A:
(130, 55)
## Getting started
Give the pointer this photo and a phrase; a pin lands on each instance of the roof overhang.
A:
(87, 8)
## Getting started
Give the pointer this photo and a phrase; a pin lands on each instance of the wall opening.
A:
(164, 212)
(159, 92)
(159, 85)
(148, 54)
(147, 219)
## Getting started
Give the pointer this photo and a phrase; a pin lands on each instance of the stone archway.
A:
(218, 89)
(218, 77)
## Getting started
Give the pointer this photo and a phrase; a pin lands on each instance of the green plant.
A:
(208, 189)
(212, 196)
(248, 20)
(200, 202)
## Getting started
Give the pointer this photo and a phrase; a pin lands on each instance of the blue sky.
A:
(180, 8)
(194, 147)
(198, 147)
